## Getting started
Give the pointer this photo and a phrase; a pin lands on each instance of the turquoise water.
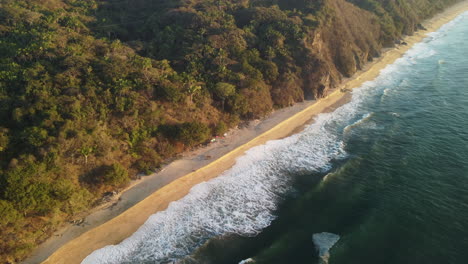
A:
(387, 172)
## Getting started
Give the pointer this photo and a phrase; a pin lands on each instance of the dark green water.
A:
(387, 172)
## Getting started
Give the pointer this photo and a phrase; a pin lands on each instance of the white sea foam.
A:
(243, 199)
(387, 91)
(443, 30)
(246, 261)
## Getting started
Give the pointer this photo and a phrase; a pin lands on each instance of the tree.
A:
(192, 133)
(191, 89)
(191, 86)
(27, 191)
(115, 175)
(35, 136)
(8, 213)
(86, 151)
(224, 90)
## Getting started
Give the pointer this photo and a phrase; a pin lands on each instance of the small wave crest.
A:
(246, 261)
(363, 119)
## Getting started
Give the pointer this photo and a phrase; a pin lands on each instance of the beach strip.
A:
(125, 224)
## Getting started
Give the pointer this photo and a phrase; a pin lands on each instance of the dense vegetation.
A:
(94, 92)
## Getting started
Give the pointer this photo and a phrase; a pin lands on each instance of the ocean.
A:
(387, 172)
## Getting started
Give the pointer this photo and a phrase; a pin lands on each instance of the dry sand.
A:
(155, 192)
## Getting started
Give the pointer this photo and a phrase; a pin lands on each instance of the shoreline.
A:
(154, 193)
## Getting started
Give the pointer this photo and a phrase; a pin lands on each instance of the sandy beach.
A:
(117, 220)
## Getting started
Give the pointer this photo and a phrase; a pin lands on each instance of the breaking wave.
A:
(365, 118)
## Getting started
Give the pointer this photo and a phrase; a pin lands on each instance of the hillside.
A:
(94, 92)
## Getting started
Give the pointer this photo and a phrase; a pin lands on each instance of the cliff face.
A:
(347, 39)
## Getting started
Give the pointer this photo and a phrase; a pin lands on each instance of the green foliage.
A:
(149, 160)
(9, 214)
(220, 128)
(63, 189)
(78, 201)
(224, 90)
(4, 139)
(35, 136)
(169, 92)
(115, 175)
(192, 133)
(25, 188)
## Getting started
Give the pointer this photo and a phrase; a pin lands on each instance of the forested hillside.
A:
(94, 92)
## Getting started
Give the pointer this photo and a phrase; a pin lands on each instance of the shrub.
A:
(63, 189)
(26, 191)
(115, 175)
(8, 213)
(35, 136)
(149, 160)
(220, 128)
(224, 90)
(79, 201)
(192, 133)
